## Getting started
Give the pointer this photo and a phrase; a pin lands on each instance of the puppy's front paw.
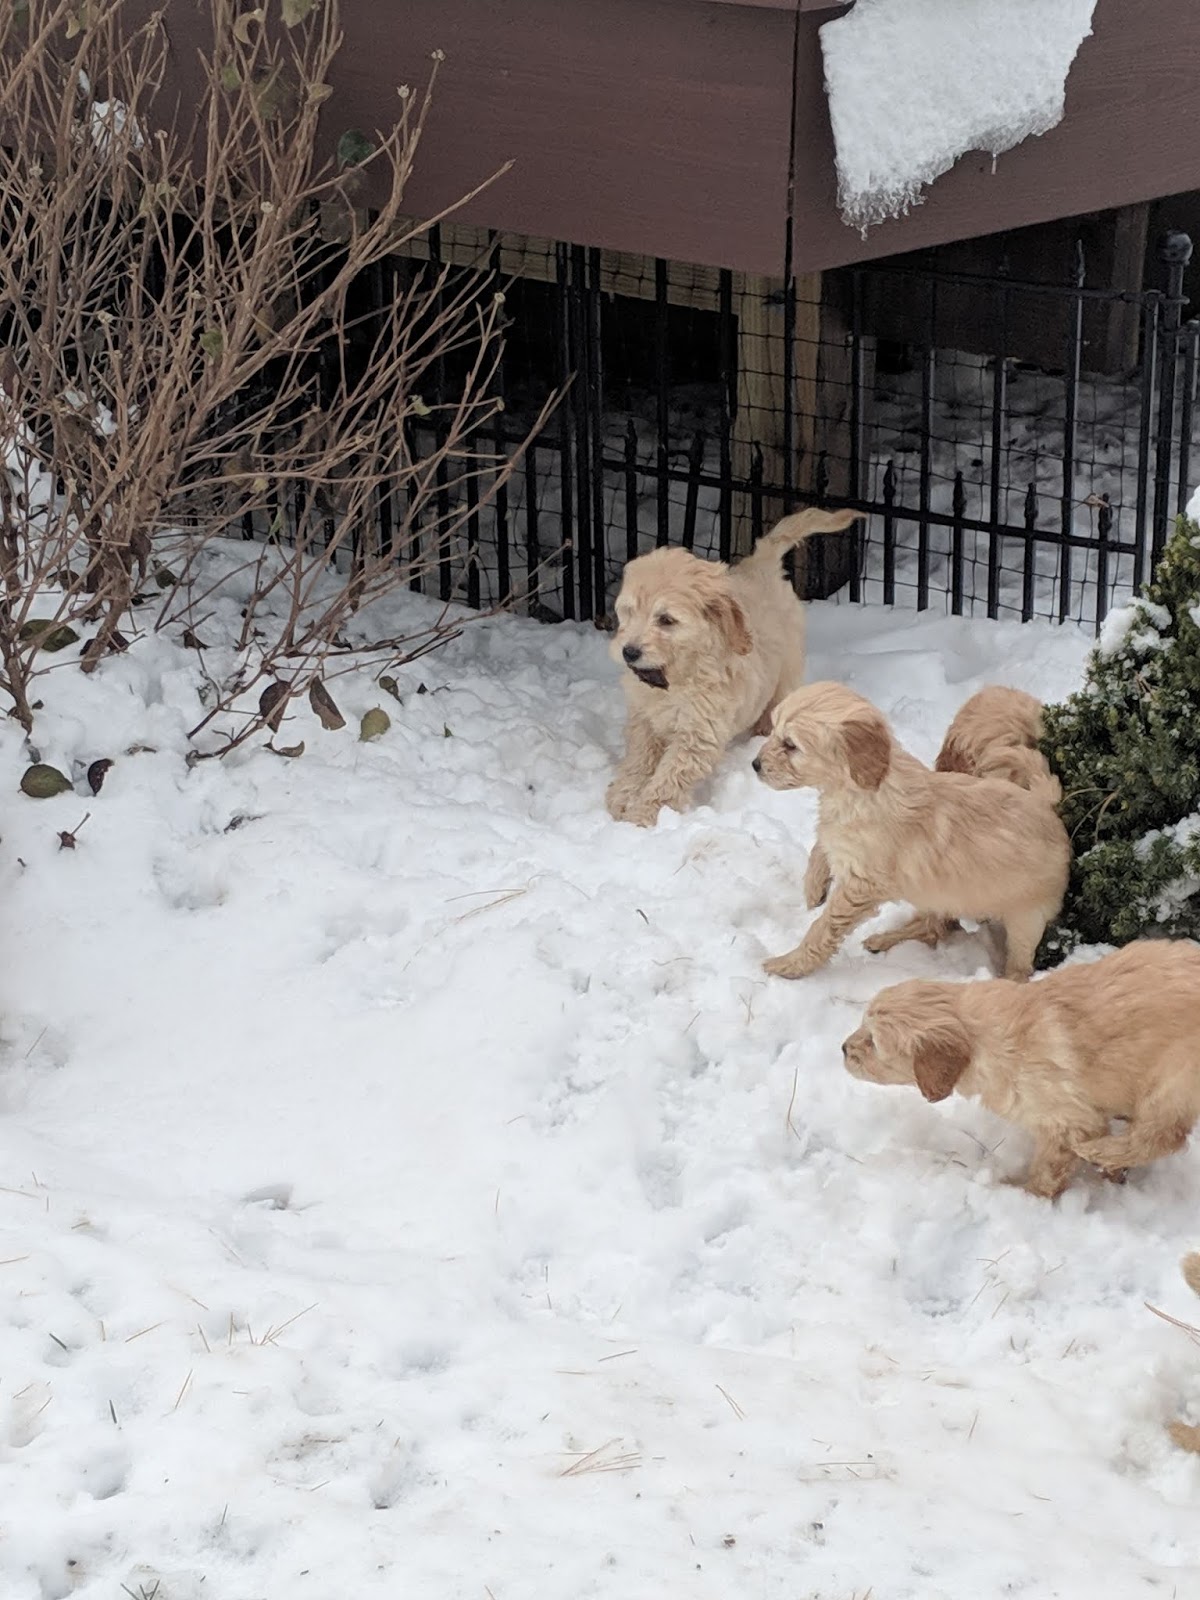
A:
(642, 813)
(877, 944)
(617, 798)
(796, 964)
(1042, 1188)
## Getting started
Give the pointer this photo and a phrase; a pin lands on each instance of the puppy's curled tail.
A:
(793, 530)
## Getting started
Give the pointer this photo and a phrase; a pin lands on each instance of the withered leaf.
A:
(58, 638)
(41, 782)
(294, 11)
(1185, 1436)
(391, 687)
(272, 703)
(289, 750)
(192, 641)
(49, 636)
(212, 342)
(242, 25)
(276, 93)
(375, 723)
(97, 773)
(446, 733)
(353, 148)
(333, 221)
(165, 578)
(322, 703)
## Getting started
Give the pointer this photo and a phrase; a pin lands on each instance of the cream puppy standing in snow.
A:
(889, 829)
(1115, 1039)
(709, 651)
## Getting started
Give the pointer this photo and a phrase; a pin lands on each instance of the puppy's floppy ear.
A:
(942, 1055)
(951, 758)
(868, 747)
(723, 610)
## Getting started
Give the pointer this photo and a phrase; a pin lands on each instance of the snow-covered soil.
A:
(410, 1184)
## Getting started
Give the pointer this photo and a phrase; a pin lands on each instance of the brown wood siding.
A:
(641, 125)
(661, 127)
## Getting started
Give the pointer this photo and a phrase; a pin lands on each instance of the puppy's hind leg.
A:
(1148, 1138)
(925, 928)
(1023, 932)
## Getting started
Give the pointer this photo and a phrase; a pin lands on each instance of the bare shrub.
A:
(184, 347)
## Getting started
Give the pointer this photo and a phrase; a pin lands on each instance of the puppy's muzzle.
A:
(652, 677)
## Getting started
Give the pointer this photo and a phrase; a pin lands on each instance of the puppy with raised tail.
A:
(1115, 1039)
(709, 650)
(889, 829)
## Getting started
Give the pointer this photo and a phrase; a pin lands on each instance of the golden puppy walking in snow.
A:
(889, 829)
(1117, 1038)
(709, 650)
(995, 735)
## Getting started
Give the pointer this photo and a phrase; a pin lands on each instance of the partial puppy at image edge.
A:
(1187, 1434)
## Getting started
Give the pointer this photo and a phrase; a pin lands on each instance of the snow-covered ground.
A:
(412, 1186)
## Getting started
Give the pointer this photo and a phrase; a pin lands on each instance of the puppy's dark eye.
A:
(789, 745)
(666, 622)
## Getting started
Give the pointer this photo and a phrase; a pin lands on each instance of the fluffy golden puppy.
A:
(889, 829)
(1063, 1057)
(995, 735)
(709, 650)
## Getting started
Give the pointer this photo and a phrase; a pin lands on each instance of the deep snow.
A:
(413, 1186)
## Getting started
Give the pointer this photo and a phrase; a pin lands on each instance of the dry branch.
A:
(204, 333)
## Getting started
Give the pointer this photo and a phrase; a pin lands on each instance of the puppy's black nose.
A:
(632, 653)
(756, 764)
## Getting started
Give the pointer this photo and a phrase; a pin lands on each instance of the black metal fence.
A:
(1038, 476)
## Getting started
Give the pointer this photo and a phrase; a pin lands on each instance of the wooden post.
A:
(822, 371)
(758, 304)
